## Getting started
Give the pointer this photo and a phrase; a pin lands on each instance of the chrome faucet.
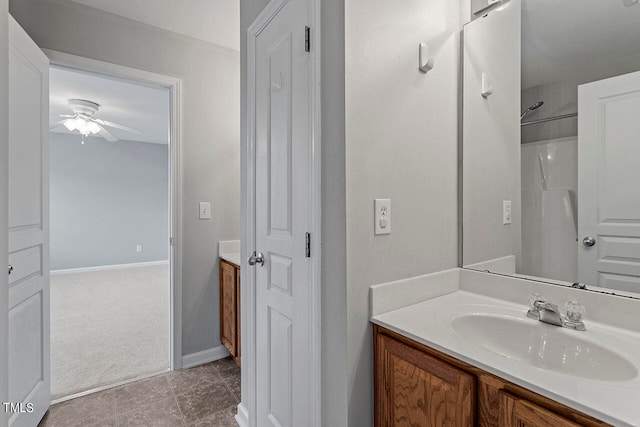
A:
(544, 311)
(548, 313)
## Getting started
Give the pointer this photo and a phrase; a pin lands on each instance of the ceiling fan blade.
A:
(56, 124)
(68, 116)
(107, 135)
(116, 125)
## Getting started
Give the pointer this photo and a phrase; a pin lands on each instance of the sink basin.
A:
(544, 346)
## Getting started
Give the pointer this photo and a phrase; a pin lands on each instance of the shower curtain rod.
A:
(549, 119)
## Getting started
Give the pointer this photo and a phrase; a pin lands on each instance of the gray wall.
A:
(106, 198)
(401, 143)
(4, 170)
(335, 306)
(210, 132)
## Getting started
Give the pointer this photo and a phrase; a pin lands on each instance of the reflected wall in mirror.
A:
(557, 139)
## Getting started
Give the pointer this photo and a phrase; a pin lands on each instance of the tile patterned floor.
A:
(206, 395)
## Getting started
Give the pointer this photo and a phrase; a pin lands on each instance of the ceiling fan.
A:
(83, 121)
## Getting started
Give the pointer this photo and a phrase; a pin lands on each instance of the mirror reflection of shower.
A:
(549, 200)
(532, 107)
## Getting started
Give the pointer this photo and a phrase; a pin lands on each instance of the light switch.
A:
(205, 210)
(138, 248)
(382, 216)
(506, 212)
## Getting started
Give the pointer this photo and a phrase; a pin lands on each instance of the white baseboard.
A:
(106, 387)
(242, 417)
(204, 356)
(107, 267)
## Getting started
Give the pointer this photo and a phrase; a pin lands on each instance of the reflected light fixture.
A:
(83, 126)
(82, 120)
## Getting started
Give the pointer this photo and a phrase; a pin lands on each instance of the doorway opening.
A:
(112, 316)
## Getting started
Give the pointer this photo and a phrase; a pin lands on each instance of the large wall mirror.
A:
(551, 142)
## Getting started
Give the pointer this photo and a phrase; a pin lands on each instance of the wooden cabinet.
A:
(421, 390)
(518, 412)
(416, 385)
(230, 308)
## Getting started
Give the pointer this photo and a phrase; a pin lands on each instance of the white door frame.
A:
(247, 409)
(175, 174)
(4, 217)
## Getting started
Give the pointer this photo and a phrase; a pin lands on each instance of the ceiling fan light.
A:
(70, 124)
(82, 127)
(93, 127)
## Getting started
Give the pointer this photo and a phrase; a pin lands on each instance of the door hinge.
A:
(172, 241)
(307, 39)
(308, 245)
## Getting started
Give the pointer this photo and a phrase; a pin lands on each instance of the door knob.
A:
(256, 258)
(589, 241)
(10, 269)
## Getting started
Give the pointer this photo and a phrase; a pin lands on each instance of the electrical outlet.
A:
(205, 210)
(382, 216)
(506, 212)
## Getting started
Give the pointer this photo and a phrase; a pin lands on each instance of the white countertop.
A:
(233, 257)
(429, 322)
(229, 250)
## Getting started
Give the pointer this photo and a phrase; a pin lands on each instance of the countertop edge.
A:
(233, 258)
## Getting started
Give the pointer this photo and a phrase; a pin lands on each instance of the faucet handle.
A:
(574, 311)
(535, 299)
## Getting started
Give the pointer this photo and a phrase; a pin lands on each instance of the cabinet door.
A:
(237, 358)
(518, 412)
(415, 389)
(228, 303)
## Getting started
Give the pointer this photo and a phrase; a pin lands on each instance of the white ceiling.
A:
(214, 21)
(142, 107)
(563, 38)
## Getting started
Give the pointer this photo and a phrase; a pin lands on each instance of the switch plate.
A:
(382, 216)
(506, 212)
(138, 248)
(205, 210)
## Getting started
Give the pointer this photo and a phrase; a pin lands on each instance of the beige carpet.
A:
(108, 326)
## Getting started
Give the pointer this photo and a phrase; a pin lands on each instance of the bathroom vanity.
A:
(457, 348)
(416, 383)
(230, 308)
(229, 253)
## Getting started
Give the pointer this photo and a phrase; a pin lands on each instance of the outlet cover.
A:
(205, 210)
(382, 216)
(506, 212)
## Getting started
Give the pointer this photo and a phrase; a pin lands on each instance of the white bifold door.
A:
(283, 143)
(608, 183)
(28, 205)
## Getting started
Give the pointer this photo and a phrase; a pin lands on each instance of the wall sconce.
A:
(426, 63)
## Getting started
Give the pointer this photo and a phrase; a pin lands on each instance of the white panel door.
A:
(283, 216)
(29, 383)
(608, 180)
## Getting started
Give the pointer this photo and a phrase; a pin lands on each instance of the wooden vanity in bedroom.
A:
(230, 306)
